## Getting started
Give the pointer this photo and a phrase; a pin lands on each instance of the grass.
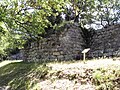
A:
(107, 78)
(27, 76)
(21, 75)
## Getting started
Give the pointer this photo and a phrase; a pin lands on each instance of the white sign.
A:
(85, 50)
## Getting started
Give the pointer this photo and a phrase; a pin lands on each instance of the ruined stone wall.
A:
(65, 45)
(106, 42)
(69, 43)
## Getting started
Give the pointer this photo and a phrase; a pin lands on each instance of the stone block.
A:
(61, 57)
(51, 57)
(56, 53)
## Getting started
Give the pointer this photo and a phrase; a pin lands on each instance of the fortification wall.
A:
(69, 43)
(65, 45)
(106, 42)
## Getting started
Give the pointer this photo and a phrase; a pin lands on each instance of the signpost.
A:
(84, 52)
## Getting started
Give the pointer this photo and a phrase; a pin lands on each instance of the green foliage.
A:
(4, 36)
(31, 17)
(98, 12)
(26, 19)
(8, 41)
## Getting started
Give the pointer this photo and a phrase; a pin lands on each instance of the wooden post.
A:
(84, 57)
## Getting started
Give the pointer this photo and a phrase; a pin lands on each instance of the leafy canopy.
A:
(21, 20)
(25, 19)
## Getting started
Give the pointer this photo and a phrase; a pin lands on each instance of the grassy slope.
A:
(25, 76)
(21, 75)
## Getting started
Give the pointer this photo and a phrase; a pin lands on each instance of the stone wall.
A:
(69, 43)
(106, 42)
(64, 45)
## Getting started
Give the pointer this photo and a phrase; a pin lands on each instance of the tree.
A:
(107, 12)
(98, 12)
(28, 19)
(32, 19)
(80, 11)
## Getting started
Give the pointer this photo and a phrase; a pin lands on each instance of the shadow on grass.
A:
(22, 75)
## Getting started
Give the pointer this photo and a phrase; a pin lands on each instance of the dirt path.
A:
(3, 63)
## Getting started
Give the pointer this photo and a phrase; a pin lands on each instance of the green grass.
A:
(26, 76)
(21, 75)
(107, 78)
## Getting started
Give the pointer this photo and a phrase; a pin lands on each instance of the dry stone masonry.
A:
(69, 43)
(65, 45)
(106, 42)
